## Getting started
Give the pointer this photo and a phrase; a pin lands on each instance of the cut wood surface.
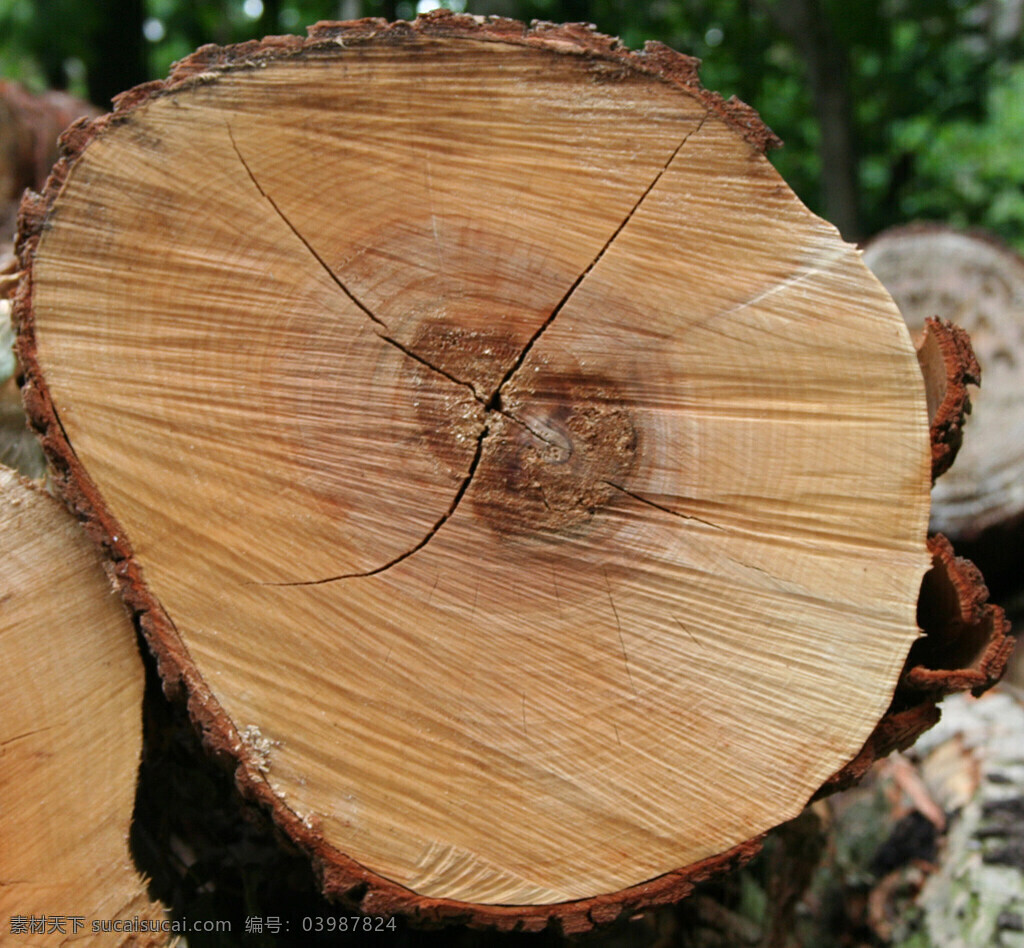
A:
(526, 490)
(70, 734)
(979, 284)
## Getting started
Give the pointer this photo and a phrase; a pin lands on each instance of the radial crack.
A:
(21, 737)
(430, 365)
(338, 281)
(494, 400)
(441, 521)
(661, 507)
(618, 626)
(284, 217)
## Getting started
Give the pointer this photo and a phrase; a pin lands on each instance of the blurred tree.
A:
(826, 58)
(92, 49)
(117, 57)
(968, 170)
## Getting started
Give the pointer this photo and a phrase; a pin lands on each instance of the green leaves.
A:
(968, 170)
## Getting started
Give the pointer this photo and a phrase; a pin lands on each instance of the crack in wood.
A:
(305, 243)
(491, 403)
(662, 507)
(441, 521)
(21, 737)
(494, 402)
(715, 526)
(495, 398)
(618, 626)
(373, 317)
(682, 625)
(63, 431)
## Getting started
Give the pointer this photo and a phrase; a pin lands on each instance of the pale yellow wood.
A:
(70, 734)
(544, 701)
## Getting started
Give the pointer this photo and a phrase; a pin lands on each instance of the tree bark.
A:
(979, 284)
(526, 492)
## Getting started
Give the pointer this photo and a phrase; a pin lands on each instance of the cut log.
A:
(977, 283)
(70, 735)
(527, 492)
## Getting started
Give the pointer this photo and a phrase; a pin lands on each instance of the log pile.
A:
(525, 492)
(927, 850)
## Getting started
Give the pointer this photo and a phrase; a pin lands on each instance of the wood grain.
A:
(70, 733)
(526, 489)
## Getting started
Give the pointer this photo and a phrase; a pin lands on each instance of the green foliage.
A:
(36, 50)
(969, 171)
(924, 67)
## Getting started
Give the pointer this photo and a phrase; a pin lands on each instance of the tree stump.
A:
(528, 494)
(70, 736)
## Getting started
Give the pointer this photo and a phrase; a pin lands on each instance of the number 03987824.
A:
(348, 923)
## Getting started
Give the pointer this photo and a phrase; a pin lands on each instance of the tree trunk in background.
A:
(828, 73)
(270, 19)
(121, 60)
(29, 128)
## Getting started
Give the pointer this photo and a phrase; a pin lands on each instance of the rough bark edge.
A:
(911, 713)
(948, 365)
(327, 39)
(581, 39)
(967, 642)
(965, 647)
